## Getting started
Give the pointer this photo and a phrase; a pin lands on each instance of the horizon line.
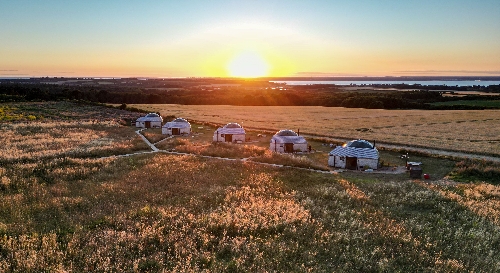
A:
(240, 78)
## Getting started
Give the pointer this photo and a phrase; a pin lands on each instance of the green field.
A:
(64, 210)
(482, 103)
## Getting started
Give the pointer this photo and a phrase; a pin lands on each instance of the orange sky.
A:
(283, 38)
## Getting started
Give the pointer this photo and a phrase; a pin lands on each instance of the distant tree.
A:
(376, 104)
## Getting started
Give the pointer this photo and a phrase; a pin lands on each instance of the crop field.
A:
(473, 131)
(67, 210)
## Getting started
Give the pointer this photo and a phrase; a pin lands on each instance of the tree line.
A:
(329, 96)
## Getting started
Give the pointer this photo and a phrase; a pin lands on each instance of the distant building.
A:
(151, 120)
(231, 132)
(178, 126)
(354, 155)
(287, 141)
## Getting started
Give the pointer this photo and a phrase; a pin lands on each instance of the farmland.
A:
(66, 205)
(473, 131)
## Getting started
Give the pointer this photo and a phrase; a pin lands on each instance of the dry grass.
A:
(166, 213)
(183, 214)
(481, 198)
(49, 139)
(295, 160)
(62, 111)
(77, 131)
(216, 149)
(153, 134)
(474, 131)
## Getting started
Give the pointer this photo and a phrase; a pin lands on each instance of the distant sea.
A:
(447, 83)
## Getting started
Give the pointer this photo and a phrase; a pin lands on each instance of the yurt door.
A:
(351, 163)
(228, 138)
(176, 131)
(288, 147)
(147, 124)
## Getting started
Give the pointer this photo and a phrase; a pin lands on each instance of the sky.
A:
(108, 38)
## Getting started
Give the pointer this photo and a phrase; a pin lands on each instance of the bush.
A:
(470, 170)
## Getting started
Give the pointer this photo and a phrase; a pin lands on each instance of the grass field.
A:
(71, 212)
(484, 103)
(474, 131)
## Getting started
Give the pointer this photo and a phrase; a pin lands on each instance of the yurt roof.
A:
(231, 128)
(232, 125)
(371, 153)
(180, 120)
(360, 143)
(286, 133)
(288, 136)
(177, 123)
(151, 117)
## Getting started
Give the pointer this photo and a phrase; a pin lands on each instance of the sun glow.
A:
(248, 65)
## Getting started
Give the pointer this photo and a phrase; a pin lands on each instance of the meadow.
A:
(64, 211)
(472, 131)
(485, 103)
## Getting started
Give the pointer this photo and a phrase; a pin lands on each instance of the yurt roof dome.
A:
(355, 152)
(360, 144)
(177, 123)
(233, 125)
(179, 120)
(286, 133)
(151, 117)
(288, 136)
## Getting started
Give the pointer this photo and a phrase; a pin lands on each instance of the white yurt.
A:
(231, 132)
(151, 120)
(287, 141)
(354, 155)
(178, 126)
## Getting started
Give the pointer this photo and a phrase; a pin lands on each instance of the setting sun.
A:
(248, 65)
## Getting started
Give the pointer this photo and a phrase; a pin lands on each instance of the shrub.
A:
(471, 170)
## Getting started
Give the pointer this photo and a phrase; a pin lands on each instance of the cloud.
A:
(8, 70)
